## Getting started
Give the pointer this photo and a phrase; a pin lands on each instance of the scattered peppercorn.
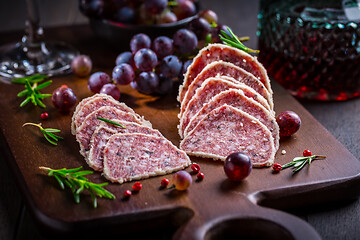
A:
(164, 182)
(137, 186)
(307, 153)
(200, 176)
(195, 167)
(276, 167)
(127, 193)
(44, 116)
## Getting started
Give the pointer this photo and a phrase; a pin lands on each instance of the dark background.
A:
(342, 119)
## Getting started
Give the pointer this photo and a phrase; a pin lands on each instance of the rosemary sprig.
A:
(75, 180)
(48, 133)
(32, 88)
(299, 162)
(234, 41)
(111, 122)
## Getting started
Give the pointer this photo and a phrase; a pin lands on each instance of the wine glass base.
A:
(53, 59)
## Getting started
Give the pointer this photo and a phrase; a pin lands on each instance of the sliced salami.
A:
(217, 52)
(102, 134)
(226, 130)
(86, 130)
(220, 68)
(237, 99)
(210, 88)
(135, 156)
(89, 105)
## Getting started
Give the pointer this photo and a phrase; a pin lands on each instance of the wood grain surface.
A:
(324, 220)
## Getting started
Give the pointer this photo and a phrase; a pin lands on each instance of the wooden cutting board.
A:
(209, 209)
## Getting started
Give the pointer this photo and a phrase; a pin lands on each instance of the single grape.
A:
(81, 65)
(237, 166)
(145, 60)
(184, 9)
(111, 89)
(185, 41)
(155, 7)
(182, 180)
(139, 41)
(167, 17)
(63, 98)
(209, 16)
(170, 66)
(184, 69)
(146, 82)
(97, 80)
(289, 123)
(123, 74)
(165, 86)
(200, 27)
(163, 46)
(125, 57)
(125, 15)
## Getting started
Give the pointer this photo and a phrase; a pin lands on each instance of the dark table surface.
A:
(332, 221)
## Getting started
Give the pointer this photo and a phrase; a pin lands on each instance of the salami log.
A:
(226, 130)
(135, 156)
(217, 52)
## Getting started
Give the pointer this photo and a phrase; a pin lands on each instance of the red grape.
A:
(63, 99)
(237, 166)
(112, 90)
(167, 17)
(184, 9)
(165, 86)
(209, 16)
(155, 7)
(146, 82)
(81, 65)
(182, 180)
(200, 27)
(125, 57)
(123, 74)
(163, 46)
(145, 60)
(170, 66)
(289, 123)
(125, 15)
(139, 41)
(185, 41)
(97, 81)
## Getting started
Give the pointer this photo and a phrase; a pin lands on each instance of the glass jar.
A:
(312, 48)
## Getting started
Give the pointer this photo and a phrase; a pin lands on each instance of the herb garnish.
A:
(75, 180)
(299, 162)
(111, 122)
(32, 88)
(234, 41)
(47, 132)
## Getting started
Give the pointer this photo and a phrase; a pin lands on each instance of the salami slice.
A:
(102, 134)
(86, 130)
(226, 130)
(210, 88)
(89, 105)
(217, 52)
(135, 156)
(237, 99)
(220, 68)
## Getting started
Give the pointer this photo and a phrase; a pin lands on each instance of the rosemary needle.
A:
(47, 132)
(111, 122)
(233, 41)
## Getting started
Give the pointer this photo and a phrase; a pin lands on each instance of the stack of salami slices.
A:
(131, 151)
(227, 106)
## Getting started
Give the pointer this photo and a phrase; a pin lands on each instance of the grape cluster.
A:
(142, 12)
(151, 67)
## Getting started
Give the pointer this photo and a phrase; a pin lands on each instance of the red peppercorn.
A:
(64, 86)
(276, 167)
(44, 116)
(137, 186)
(200, 176)
(127, 193)
(195, 167)
(307, 153)
(164, 182)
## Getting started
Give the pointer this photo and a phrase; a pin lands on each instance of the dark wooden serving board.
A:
(208, 209)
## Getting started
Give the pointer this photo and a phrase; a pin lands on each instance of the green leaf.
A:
(59, 181)
(23, 103)
(300, 167)
(49, 140)
(299, 159)
(52, 130)
(43, 85)
(111, 122)
(297, 164)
